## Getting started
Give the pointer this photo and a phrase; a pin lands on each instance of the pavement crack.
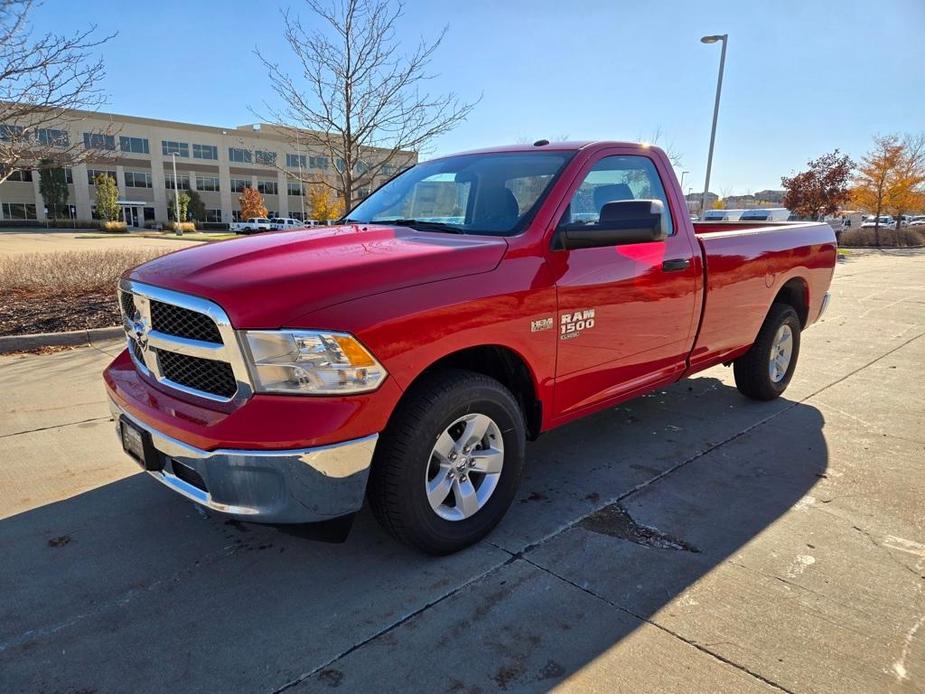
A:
(396, 624)
(615, 521)
(54, 426)
(886, 550)
(700, 647)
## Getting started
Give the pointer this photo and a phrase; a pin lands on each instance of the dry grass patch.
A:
(55, 292)
(889, 238)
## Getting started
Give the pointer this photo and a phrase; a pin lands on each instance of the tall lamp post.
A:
(176, 196)
(719, 88)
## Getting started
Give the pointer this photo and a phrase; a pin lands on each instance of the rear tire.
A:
(443, 413)
(765, 370)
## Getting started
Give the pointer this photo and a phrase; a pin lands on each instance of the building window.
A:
(207, 183)
(265, 158)
(54, 138)
(340, 164)
(205, 152)
(268, 187)
(181, 149)
(149, 214)
(239, 184)
(10, 132)
(213, 215)
(93, 173)
(99, 141)
(22, 175)
(387, 169)
(182, 180)
(240, 155)
(295, 188)
(138, 145)
(294, 161)
(18, 210)
(137, 179)
(318, 162)
(69, 176)
(236, 216)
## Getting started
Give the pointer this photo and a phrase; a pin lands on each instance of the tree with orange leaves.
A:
(907, 181)
(874, 180)
(251, 202)
(324, 205)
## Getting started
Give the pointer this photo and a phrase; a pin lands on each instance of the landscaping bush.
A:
(185, 227)
(213, 226)
(889, 238)
(114, 227)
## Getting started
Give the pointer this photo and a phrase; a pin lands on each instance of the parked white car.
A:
(766, 214)
(918, 221)
(283, 223)
(886, 222)
(251, 225)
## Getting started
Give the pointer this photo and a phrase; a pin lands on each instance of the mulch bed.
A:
(24, 315)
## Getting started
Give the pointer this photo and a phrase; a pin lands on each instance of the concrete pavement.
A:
(690, 540)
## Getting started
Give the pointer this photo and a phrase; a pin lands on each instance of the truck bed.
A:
(746, 265)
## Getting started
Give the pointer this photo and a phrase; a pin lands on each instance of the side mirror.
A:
(621, 222)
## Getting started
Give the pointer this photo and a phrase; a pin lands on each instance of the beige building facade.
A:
(140, 153)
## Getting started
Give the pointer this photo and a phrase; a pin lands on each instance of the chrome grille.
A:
(127, 301)
(184, 342)
(175, 320)
(207, 375)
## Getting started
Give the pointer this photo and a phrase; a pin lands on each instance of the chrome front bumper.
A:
(290, 486)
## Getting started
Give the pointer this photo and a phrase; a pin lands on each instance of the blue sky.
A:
(802, 76)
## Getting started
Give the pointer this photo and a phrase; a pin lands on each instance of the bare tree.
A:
(357, 92)
(674, 155)
(44, 79)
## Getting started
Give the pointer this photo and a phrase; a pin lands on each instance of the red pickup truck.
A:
(468, 305)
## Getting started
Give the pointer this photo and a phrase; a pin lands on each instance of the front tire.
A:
(448, 465)
(765, 370)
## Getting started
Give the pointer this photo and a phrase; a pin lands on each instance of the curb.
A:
(21, 343)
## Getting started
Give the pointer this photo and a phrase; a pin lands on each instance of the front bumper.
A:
(264, 486)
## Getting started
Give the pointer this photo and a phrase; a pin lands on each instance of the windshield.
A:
(494, 194)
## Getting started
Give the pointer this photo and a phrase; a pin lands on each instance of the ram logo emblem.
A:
(571, 324)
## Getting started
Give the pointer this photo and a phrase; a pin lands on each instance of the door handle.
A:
(676, 265)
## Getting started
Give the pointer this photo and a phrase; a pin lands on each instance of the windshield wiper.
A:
(421, 225)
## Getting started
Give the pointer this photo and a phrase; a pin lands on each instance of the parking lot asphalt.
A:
(690, 540)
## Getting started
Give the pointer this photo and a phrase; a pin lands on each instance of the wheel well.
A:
(504, 365)
(795, 293)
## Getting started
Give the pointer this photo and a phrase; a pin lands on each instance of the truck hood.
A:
(266, 281)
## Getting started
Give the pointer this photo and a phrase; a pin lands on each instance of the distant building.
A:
(694, 200)
(216, 162)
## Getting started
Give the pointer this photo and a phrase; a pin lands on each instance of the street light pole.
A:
(719, 88)
(176, 195)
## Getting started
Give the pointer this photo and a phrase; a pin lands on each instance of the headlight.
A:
(311, 362)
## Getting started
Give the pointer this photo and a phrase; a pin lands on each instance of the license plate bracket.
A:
(137, 443)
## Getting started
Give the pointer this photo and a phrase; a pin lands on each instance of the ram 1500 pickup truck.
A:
(471, 303)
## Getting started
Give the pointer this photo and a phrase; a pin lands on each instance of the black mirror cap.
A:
(621, 222)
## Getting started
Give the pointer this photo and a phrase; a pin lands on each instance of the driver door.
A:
(626, 312)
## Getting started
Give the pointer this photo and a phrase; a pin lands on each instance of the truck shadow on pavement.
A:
(128, 588)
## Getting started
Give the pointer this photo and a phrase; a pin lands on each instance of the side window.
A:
(613, 179)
